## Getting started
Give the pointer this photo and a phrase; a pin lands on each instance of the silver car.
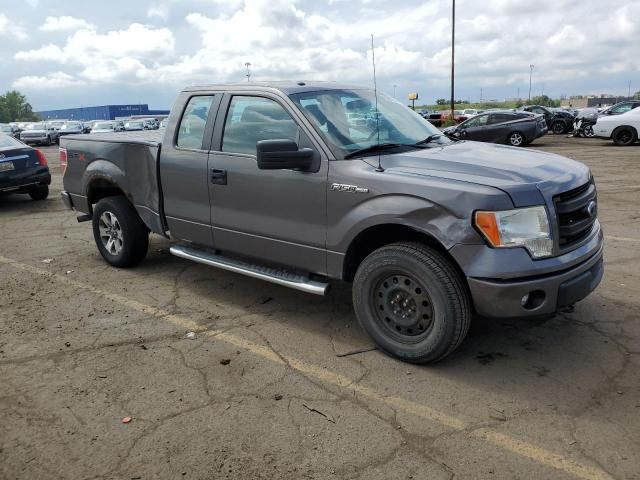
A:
(43, 133)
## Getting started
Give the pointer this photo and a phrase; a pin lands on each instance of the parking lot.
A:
(224, 376)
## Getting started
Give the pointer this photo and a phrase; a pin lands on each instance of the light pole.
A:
(394, 90)
(453, 54)
(530, 75)
(248, 75)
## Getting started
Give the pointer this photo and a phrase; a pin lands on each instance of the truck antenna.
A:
(375, 93)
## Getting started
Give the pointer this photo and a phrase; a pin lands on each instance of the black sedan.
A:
(23, 169)
(558, 121)
(513, 128)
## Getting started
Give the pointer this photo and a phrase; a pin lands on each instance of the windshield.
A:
(36, 126)
(348, 122)
(103, 126)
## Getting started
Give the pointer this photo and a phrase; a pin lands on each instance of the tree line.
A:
(15, 108)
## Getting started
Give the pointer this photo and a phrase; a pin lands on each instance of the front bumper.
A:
(573, 277)
(23, 180)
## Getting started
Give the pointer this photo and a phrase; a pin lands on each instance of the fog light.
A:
(524, 300)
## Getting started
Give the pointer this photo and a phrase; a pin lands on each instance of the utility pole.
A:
(530, 75)
(453, 54)
(629, 93)
(248, 75)
(394, 90)
(480, 94)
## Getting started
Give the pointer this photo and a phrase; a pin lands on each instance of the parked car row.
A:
(515, 128)
(23, 169)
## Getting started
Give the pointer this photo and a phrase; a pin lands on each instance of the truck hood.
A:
(523, 173)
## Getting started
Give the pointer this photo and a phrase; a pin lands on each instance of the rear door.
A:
(184, 168)
(276, 215)
(498, 127)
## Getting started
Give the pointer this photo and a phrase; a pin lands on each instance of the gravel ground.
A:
(275, 383)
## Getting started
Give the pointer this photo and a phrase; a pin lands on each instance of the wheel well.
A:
(623, 127)
(375, 237)
(101, 188)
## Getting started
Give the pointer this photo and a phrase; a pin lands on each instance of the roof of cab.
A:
(287, 87)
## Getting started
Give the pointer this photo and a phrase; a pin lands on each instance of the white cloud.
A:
(64, 23)
(496, 42)
(118, 55)
(9, 28)
(45, 82)
(160, 11)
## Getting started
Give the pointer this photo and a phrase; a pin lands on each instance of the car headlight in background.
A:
(521, 227)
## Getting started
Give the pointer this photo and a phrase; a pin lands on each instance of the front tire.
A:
(40, 192)
(412, 302)
(558, 128)
(625, 136)
(588, 132)
(120, 235)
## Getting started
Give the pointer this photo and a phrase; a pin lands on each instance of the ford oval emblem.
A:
(592, 208)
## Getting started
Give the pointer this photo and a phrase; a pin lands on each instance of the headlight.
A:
(522, 227)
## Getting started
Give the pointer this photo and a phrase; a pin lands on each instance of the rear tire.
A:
(120, 234)
(40, 192)
(625, 136)
(412, 302)
(516, 139)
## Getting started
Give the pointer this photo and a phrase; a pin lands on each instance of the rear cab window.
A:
(192, 124)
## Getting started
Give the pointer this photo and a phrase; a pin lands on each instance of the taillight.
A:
(63, 159)
(42, 159)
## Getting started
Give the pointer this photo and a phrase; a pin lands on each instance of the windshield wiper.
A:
(375, 148)
(429, 139)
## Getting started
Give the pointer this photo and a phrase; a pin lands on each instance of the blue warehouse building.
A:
(102, 112)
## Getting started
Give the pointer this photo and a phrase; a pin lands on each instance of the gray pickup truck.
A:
(304, 183)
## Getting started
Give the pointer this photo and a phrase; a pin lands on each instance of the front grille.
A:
(575, 222)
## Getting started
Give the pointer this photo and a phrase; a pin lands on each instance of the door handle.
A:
(218, 177)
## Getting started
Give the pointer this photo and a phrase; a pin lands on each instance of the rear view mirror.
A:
(283, 154)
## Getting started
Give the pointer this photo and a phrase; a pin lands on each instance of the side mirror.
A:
(283, 155)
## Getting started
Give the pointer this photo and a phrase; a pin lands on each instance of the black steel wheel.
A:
(403, 307)
(412, 302)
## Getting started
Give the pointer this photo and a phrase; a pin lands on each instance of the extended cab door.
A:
(276, 216)
(184, 170)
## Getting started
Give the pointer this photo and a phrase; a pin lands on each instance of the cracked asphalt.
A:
(277, 384)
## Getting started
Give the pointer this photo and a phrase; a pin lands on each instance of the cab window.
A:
(193, 121)
(251, 119)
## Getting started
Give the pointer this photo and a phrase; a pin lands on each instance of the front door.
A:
(275, 215)
(475, 128)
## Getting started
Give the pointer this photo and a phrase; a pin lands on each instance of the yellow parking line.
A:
(621, 239)
(501, 440)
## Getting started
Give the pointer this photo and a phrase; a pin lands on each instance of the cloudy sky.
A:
(68, 53)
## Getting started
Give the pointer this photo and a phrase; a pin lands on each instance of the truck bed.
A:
(128, 160)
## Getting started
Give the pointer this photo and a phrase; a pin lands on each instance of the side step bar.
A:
(273, 275)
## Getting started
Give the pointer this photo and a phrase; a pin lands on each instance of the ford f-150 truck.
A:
(302, 183)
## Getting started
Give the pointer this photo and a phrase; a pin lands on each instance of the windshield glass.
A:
(103, 126)
(36, 126)
(348, 122)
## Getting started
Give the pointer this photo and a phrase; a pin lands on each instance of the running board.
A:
(281, 277)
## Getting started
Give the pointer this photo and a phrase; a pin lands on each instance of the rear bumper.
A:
(547, 293)
(23, 180)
